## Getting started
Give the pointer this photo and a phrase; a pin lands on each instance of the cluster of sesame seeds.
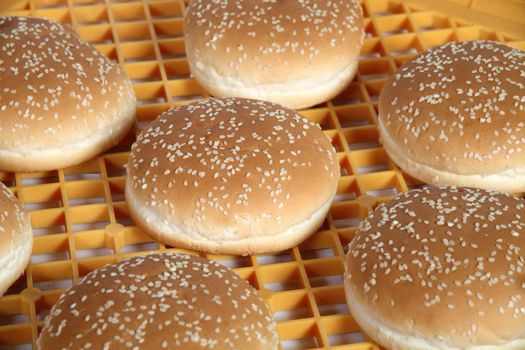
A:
(468, 94)
(234, 160)
(160, 301)
(458, 253)
(55, 85)
(251, 30)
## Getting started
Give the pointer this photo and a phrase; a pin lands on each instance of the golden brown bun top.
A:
(14, 222)
(460, 107)
(160, 301)
(56, 88)
(444, 262)
(233, 164)
(274, 40)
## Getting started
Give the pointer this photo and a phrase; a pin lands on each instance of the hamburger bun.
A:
(231, 176)
(16, 239)
(295, 53)
(160, 301)
(63, 102)
(441, 268)
(455, 115)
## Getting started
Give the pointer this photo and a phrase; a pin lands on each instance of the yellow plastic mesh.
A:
(79, 215)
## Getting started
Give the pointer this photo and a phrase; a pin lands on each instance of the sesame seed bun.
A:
(456, 115)
(231, 176)
(295, 53)
(63, 102)
(160, 301)
(16, 239)
(441, 268)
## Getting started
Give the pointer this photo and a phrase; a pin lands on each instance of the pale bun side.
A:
(225, 241)
(292, 94)
(107, 135)
(16, 239)
(394, 339)
(510, 180)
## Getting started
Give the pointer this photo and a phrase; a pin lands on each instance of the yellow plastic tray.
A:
(79, 215)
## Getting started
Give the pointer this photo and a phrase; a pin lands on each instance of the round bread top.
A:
(444, 263)
(464, 103)
(232, 166)
(14, 223)
(57, 89)
(265, 42)
(160, 301)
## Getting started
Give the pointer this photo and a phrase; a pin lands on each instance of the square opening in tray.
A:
(324, 272)
(142, 72)
(16, 338)
(172, 28)
(177, 69)
(370, 29)
(85, 192)
(128, 12)
(138, 51)
(437, 38)
(384, 7)
(86, 171)
(92, 244)
(360, 138)
(475, 33)
(89, 217)
(300, 335)
(185, 89)
(165, 9)
(354, 115)
(402, 44)
(122, 214)
(352, 94)
(320, 116)
(52, 275)
(347, 190)
(428, 21)
(374, 69)
(371, 160)
(48, 221)
(280, 277)
(347, 214)
(381, 184)
(50, 248)
(89, 15)
(42, 196)
(392, 25)
(372, 48)
(96, 34)
(346, 235)
(149, 93)
(134, 31)
(342, 330)
(59, 14)
(277, 258)
(373, 88)
(11, 312)
(38, 178)
(331, 300)
(318, 246)
(291, 305)
(172, 48)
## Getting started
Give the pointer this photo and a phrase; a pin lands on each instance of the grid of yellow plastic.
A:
(79, 215)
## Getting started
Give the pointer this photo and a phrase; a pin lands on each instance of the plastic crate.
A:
(79, 215)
